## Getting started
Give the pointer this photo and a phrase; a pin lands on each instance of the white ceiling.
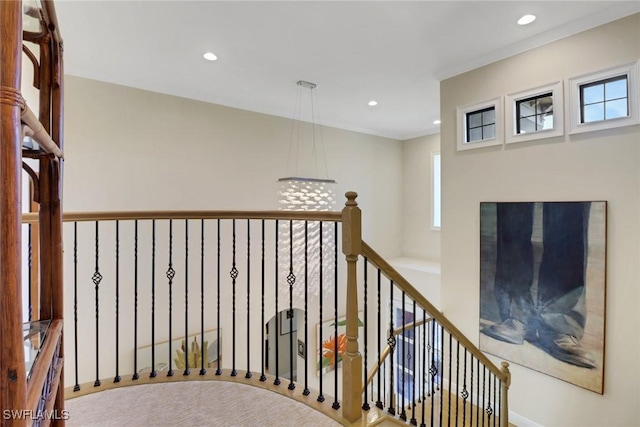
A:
(392, 51)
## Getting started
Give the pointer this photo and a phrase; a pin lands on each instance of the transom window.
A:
(535, 113)
(604, 100)
(481, 124)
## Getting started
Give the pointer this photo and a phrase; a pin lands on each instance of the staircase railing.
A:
(261, 297)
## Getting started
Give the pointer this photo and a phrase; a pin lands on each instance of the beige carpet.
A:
(192, 403)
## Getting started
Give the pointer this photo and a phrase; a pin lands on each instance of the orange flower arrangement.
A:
(329, 347)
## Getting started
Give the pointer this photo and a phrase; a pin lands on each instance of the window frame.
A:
(576, 84)
(464, 111)
(513, 99)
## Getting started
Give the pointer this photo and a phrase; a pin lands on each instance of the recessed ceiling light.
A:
(210, 56)
(373, 103)
(436, 122)
(526, 19)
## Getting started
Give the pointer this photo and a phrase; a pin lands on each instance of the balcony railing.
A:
(291, 301)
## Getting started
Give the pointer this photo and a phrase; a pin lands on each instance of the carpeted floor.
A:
(192, 403)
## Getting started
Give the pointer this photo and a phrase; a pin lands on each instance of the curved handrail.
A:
(335, 216)
(374, 258)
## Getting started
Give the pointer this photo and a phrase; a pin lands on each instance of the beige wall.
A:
(592, 166)
(419, 239)
(129, 149)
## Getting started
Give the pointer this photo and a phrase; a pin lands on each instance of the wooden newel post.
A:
(352, 360)
(504, 403)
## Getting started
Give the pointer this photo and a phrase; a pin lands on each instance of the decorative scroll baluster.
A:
(424, 365)
(171, 273)
(117, 378)
(277, 380)
(465, 393)
(379, 403)
(76, 387)
(433, 370)
(484, 392)
(135, 301)
(218, 369)
(320, 289)
(187, 371)
(336, 404)
(97, 278)
(234, 276)
(413, 368)
(248, 374)
(153, 373)
(306, 391)
(263, 377)
(403, 412)
(202, 346)
(457, 377)
(391, 341)
(365, 405)
(291, 280)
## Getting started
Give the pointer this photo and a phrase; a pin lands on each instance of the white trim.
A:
(432, 209)
(633, 93)
(558, 114)
(462, 112)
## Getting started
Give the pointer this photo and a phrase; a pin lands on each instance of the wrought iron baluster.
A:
(202, 369)
(391, 340)
(478, 392)
(76, 387)
(320, 289)
(465, 393)
(440, 368)
(413, 367)
(218, 369)
(234, 276)
(450, 375)
(153, 373)
(170, 275)
(135, 301)
(117, 378)
(457, 377)
(433, 370)
(306, 391)
(291, 280)
(494, 399)
(277, 379)
(403, 357)
(365, 405)
(263, 377)
(380, 374)
(248, 374)
(97, 278)
(424, 365)
(336, 404)
(484, 391)
(187, 371)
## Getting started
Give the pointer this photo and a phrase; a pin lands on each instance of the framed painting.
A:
(326, 356)
(542, 287)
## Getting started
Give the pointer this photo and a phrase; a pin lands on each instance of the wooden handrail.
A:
(387, 350)
(42, 364)
(374, 258)
(29, 218)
